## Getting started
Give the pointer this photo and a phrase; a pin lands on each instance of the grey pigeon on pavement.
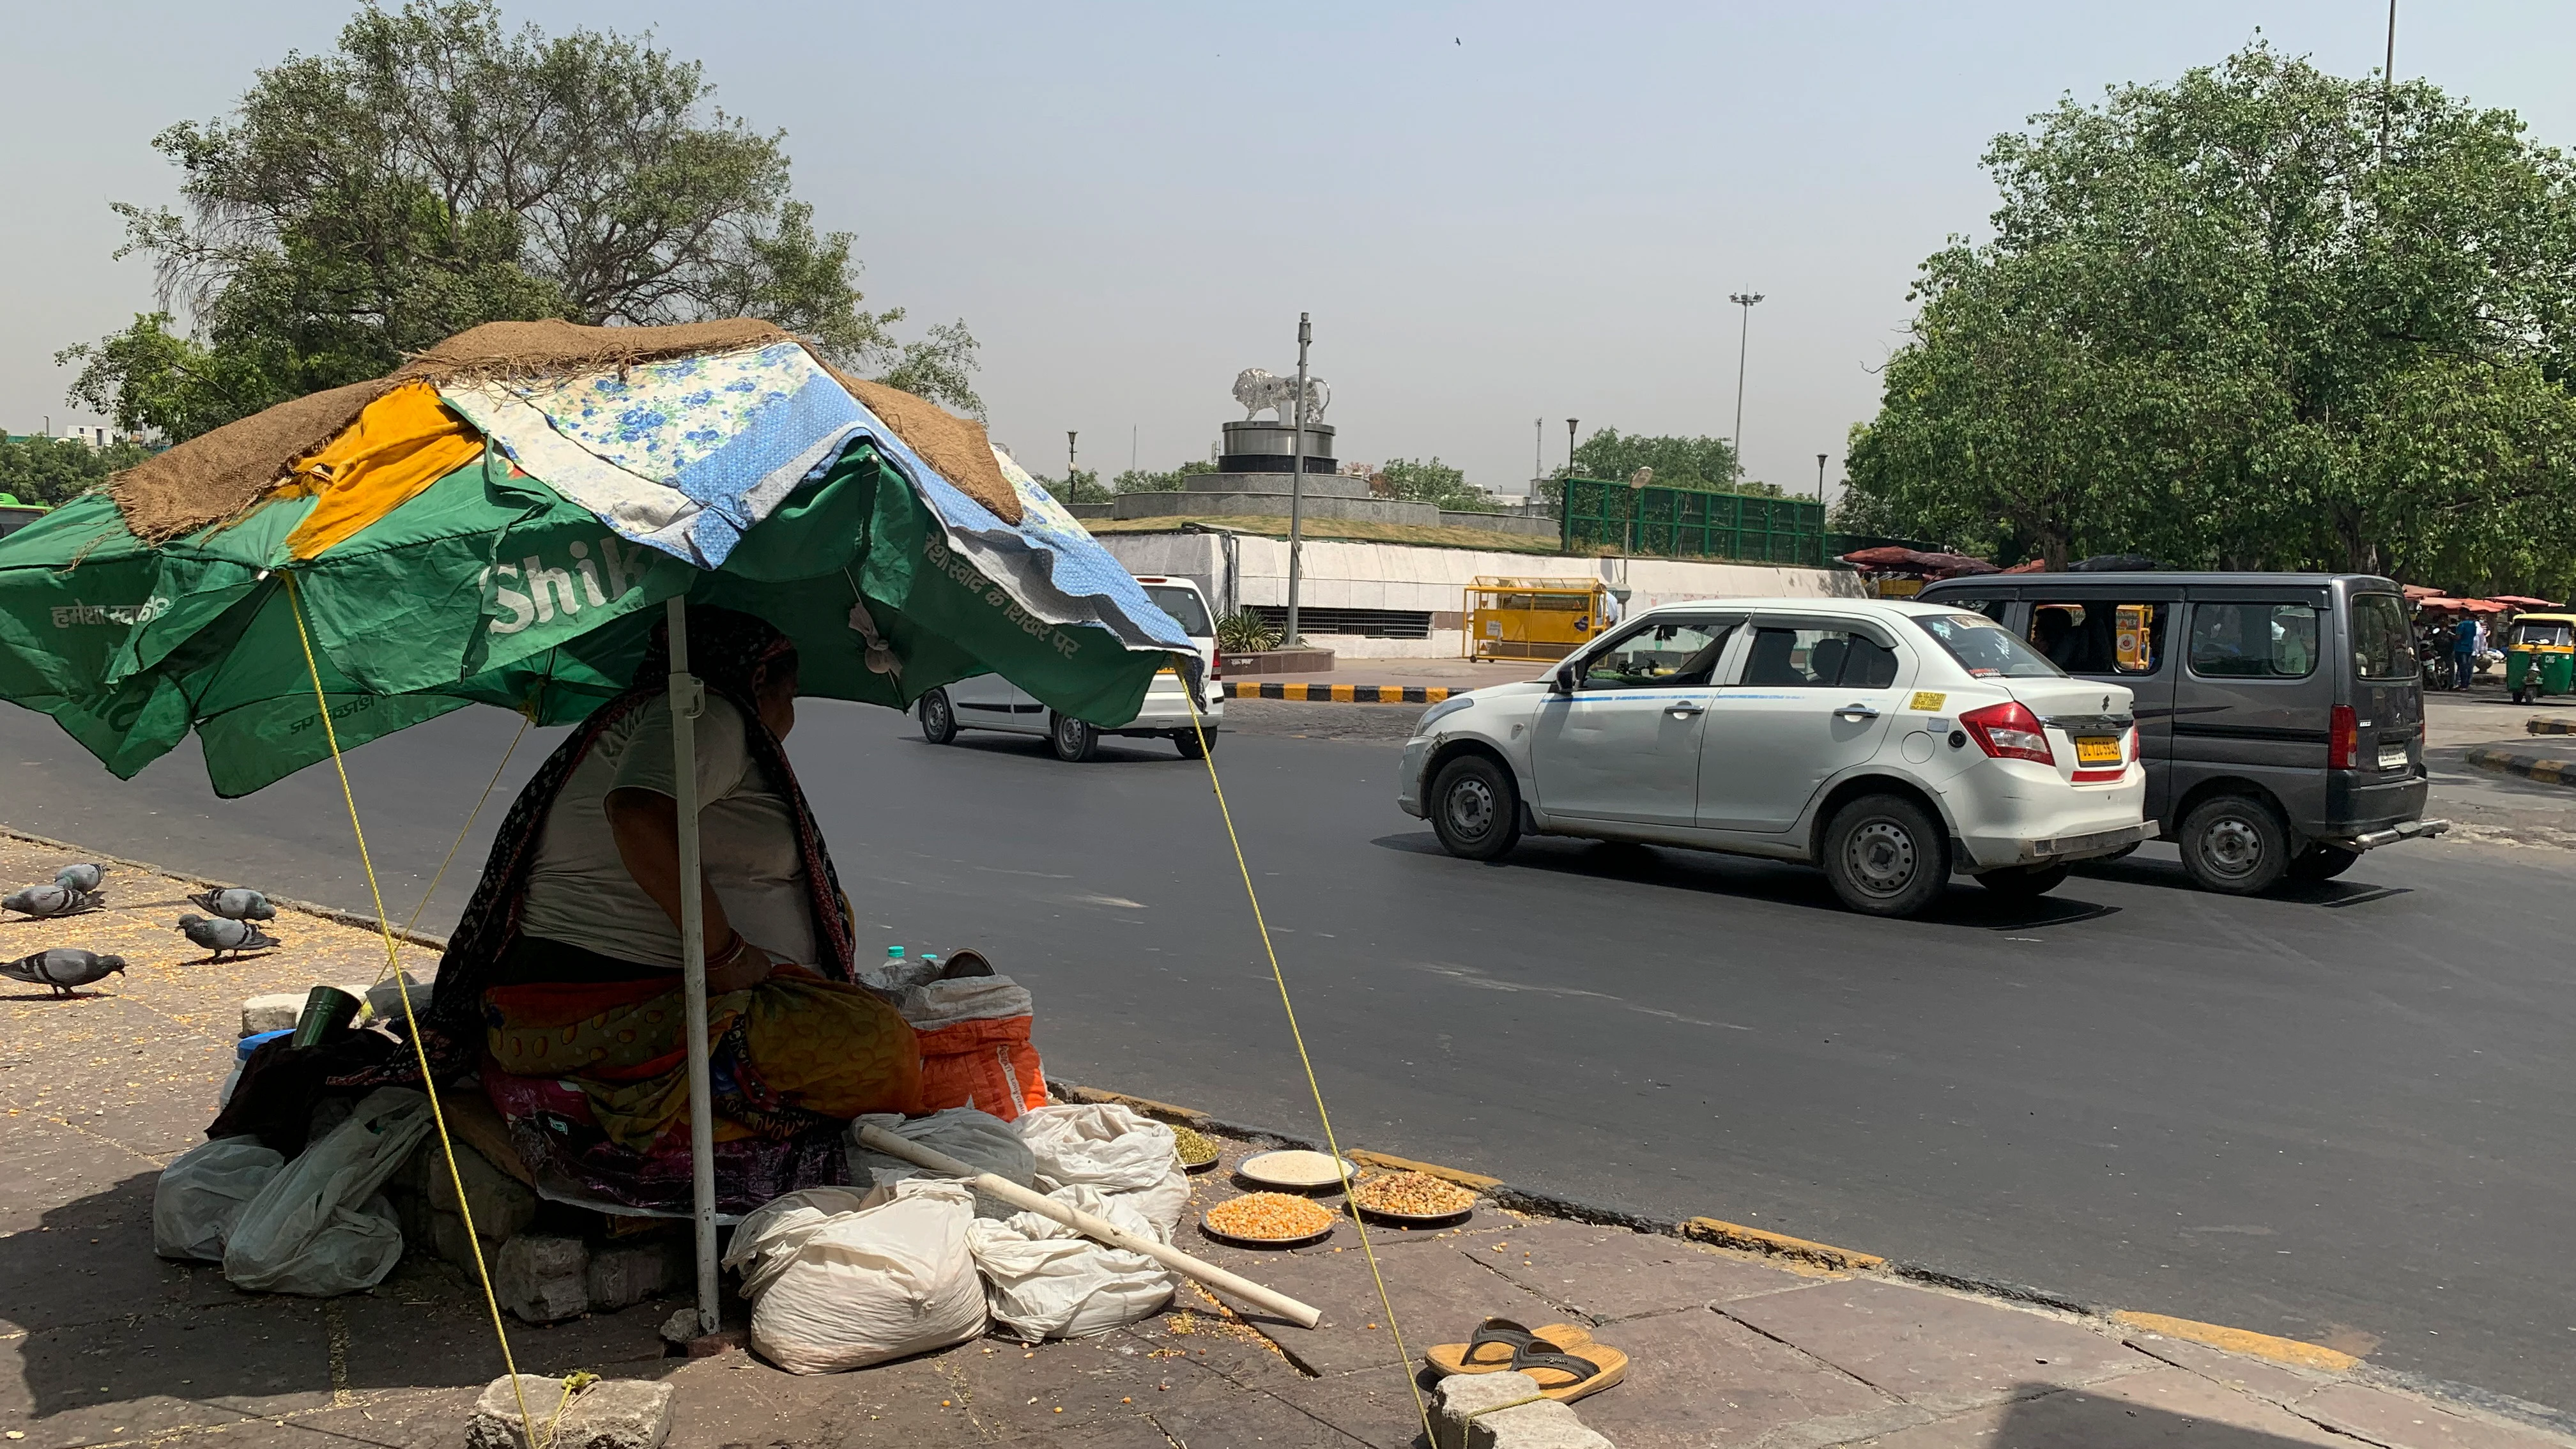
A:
(82, 877)
(63, 968)
(236, 903)
(220, 936)
(51, 900)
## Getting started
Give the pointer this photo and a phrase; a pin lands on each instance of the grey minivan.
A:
(2281, 716)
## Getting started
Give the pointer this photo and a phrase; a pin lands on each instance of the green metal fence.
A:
(1601, 516)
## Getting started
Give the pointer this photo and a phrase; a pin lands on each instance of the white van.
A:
(990, 702)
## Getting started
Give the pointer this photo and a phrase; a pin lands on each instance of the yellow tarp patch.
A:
(1926, 700)
(403, 442)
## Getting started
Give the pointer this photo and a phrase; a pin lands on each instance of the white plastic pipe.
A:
(877, 1139)
(688, 700)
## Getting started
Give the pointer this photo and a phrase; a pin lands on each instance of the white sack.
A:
(320, 1227)
(968, 998)
(202, 1194)
(972, 1136)
(841, 1289)
(1043, 1279)
(1123, 1153)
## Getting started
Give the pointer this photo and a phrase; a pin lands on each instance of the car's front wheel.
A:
(938, 717)
(1475, 808)
(1073, 740)
(1886, 856)
(2235, 845)
(2024, 882)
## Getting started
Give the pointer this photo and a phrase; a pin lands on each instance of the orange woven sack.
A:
(986, 1063)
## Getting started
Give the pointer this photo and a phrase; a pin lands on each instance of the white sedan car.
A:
(990, 702)
(1890, 743)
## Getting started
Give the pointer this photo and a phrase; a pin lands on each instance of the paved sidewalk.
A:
(102, 1344)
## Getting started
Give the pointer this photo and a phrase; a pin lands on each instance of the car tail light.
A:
(2343, 740)
(1216, 665)
(2008, 731)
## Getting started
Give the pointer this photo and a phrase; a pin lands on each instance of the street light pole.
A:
(1569, 447)
(2388, 82)
(1820, 477)
(1297, 483)
(1743, 340)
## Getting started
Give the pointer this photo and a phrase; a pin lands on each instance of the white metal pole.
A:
(1297, 483)
(688, 700)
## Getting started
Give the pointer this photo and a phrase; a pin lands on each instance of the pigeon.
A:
(234, 903)
(82, 877)
(220, 936)
(46, 901)
(63, 968)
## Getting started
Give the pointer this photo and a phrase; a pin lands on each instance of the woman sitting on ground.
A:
(566, 968)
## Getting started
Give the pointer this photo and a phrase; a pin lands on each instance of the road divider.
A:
(1340, 693)
(2550, 724)
(2545, 769)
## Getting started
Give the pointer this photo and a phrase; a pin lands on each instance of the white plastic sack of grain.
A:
(201, 1195)
(838, 1286)
(1045, 1280)
(975, 1137)
(1123, 1153)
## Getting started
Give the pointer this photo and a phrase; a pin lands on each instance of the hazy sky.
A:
(1495, 212)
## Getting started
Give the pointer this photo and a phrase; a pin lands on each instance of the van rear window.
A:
(2379, 645)
(2253, 641)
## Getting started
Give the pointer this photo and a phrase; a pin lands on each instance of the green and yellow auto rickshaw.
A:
(2540, 656)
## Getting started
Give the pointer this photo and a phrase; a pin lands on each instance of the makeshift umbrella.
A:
(502, 520)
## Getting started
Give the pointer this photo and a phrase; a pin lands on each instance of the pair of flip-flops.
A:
(1564, 1359)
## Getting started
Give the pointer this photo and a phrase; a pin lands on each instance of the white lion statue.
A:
(1257, 388)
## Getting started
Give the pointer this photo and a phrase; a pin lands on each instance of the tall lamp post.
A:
(1569, 447)
(1069, 485)
(1297, 482)
(1820, 477)
(1743, 340)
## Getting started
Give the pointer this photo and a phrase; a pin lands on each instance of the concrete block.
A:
(624, 1274)
(1546, 1424)
(1458, 1400)
(502, 1205)
(543, 1278)
(448, 1237)
(276, 1011)
(610, 1414)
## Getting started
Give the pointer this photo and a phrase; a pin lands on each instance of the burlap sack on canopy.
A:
(217, 476)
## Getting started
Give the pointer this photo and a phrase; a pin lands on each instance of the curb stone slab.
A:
(610, 1414)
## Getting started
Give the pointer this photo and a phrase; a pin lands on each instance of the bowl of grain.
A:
(1198, 1152)
(1268, 1220)
(1412, 1199)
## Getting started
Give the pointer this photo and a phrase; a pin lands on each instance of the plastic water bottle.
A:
(894, 955)
(930, 964)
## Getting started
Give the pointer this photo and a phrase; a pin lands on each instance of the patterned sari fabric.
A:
(790, 1055)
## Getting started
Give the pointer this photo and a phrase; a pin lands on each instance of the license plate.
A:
(2097, 749)
(2392, 757)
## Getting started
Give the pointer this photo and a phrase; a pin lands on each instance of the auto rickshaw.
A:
(2540, 656)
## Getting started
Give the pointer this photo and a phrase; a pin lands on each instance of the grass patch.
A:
(1351, 530)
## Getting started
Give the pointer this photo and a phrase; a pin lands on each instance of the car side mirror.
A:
(1562, 681)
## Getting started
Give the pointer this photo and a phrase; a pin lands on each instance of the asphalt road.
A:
(2343, 1115)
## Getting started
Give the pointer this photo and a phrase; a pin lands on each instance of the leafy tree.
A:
(1136, 480)
(1082, 485)
(57, 470)
(2217, 323)
(436, 171)
(1706, 465)
(1432, 481)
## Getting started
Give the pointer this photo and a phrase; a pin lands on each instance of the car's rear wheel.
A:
(2024, 882)
(2235, 845)
(1196, 744)
(1475, 808)
(938, 717)
(2322, 862)
(1072, 739)
(1886, 856)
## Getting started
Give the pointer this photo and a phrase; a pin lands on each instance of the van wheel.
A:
(1196, 744)
(1073, 740)
(2235, 845)
(938, 717)
(1886, 857)
(2322, 862)
(2024, 882)
(1475, 808)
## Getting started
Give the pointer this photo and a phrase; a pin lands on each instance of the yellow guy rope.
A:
(1332, 1143)
(428, 1080)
